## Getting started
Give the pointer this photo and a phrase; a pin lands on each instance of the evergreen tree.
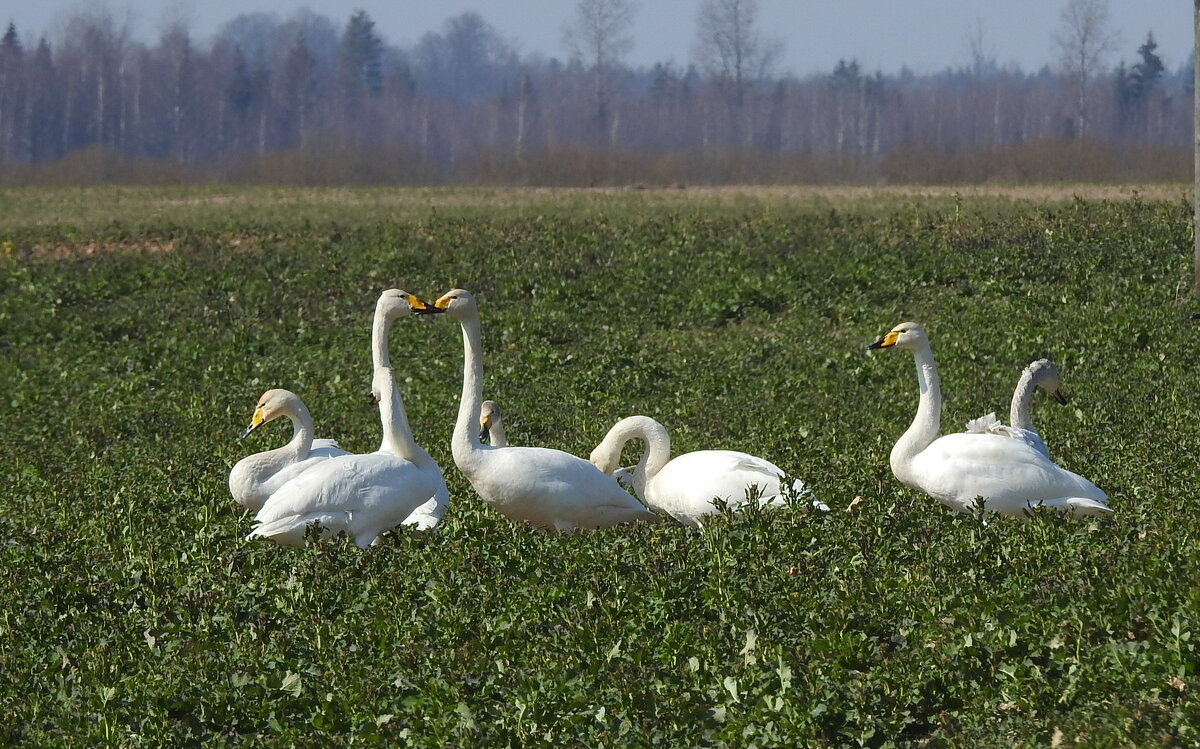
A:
(362, 58)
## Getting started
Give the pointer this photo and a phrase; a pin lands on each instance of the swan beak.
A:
(442, 303)
(255, 422)
(421, 307)
(1058, 396)
(373, 398)
(485, 424)
(887, 341)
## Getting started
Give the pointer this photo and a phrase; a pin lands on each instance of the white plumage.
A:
(686, 486)
(1009, 476)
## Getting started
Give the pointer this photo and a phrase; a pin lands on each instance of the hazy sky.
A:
(925, 35)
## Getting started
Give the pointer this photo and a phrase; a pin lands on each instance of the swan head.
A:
(489, 416)
(605, 458)
(906, 335)
(271, 405)
(395, 303)
(1045, 375)
(458, 303)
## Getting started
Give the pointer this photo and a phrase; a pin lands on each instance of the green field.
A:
(139, 326)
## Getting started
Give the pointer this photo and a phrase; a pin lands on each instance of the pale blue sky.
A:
(926, 35)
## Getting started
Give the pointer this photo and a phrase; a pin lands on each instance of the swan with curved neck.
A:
(363, 495)
(256, 477)
(1008, 475)
(686, 486)
(546, 488)
(1039, 374)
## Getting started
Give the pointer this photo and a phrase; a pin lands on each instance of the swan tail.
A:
(427, 516)
(1078, 506)
(803, 492)
(290, 531)
(984, 424)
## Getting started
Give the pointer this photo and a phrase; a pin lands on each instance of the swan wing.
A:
(326, 448)
(1007, 473)
(360, 494)
(989, 424)
(552, 489)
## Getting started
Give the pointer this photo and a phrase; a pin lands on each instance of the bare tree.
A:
(599, 35)
(1083, 42)
(731, 49)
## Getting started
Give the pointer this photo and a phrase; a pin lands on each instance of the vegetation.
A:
(133, 612)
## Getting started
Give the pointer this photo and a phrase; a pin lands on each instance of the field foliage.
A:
(133, 350)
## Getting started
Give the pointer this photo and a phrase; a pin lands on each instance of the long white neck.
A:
(1018, 413)
(496, 435)
(302, 432)
(397, 435)
(925, 425)
(656, 455)
(380, 327)
(465, 444)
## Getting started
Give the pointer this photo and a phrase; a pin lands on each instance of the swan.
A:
(549, 489)
(685, 486)
(256, 477)
(1008, 475)
(1039, 374)
(364, 495)
(491, 427)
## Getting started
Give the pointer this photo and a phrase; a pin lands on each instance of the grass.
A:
(133, 612)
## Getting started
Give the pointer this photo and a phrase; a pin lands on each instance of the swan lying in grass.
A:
(256, 477)
(491, 427)
(547, 488)
(363, 495)
(1040, 374)
(1008, 475)
(686, 486)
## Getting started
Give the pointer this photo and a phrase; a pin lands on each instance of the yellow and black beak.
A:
(442, 303)
(1058, 396)
(421, 307)
(255, 422)
(485, 425)
(887, 341)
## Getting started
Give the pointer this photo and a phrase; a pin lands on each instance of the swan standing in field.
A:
(1009, 475)
(256, 477)
(547, 488)
(685, 487)
(363, 495)
(491, 426)
(1040, 374)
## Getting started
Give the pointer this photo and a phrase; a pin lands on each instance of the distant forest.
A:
(311, 100)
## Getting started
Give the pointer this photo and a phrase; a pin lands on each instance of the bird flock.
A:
(311, 486)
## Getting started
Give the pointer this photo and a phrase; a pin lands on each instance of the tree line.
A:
(305, 99)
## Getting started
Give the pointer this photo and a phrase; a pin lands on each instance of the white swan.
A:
(547, 488)
(362, 495)
(1008, 475)
(256, 477)
(1039, 374)
(685, 486)
(491, 426)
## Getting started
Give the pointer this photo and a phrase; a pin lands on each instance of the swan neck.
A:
(1018, 414)
(656, 455)
(302, 432)
(465, 443)
(927, 422)
(380, 327)
(397, 435)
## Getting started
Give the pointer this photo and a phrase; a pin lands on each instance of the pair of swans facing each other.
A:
(362, 495)
(1002, 468)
